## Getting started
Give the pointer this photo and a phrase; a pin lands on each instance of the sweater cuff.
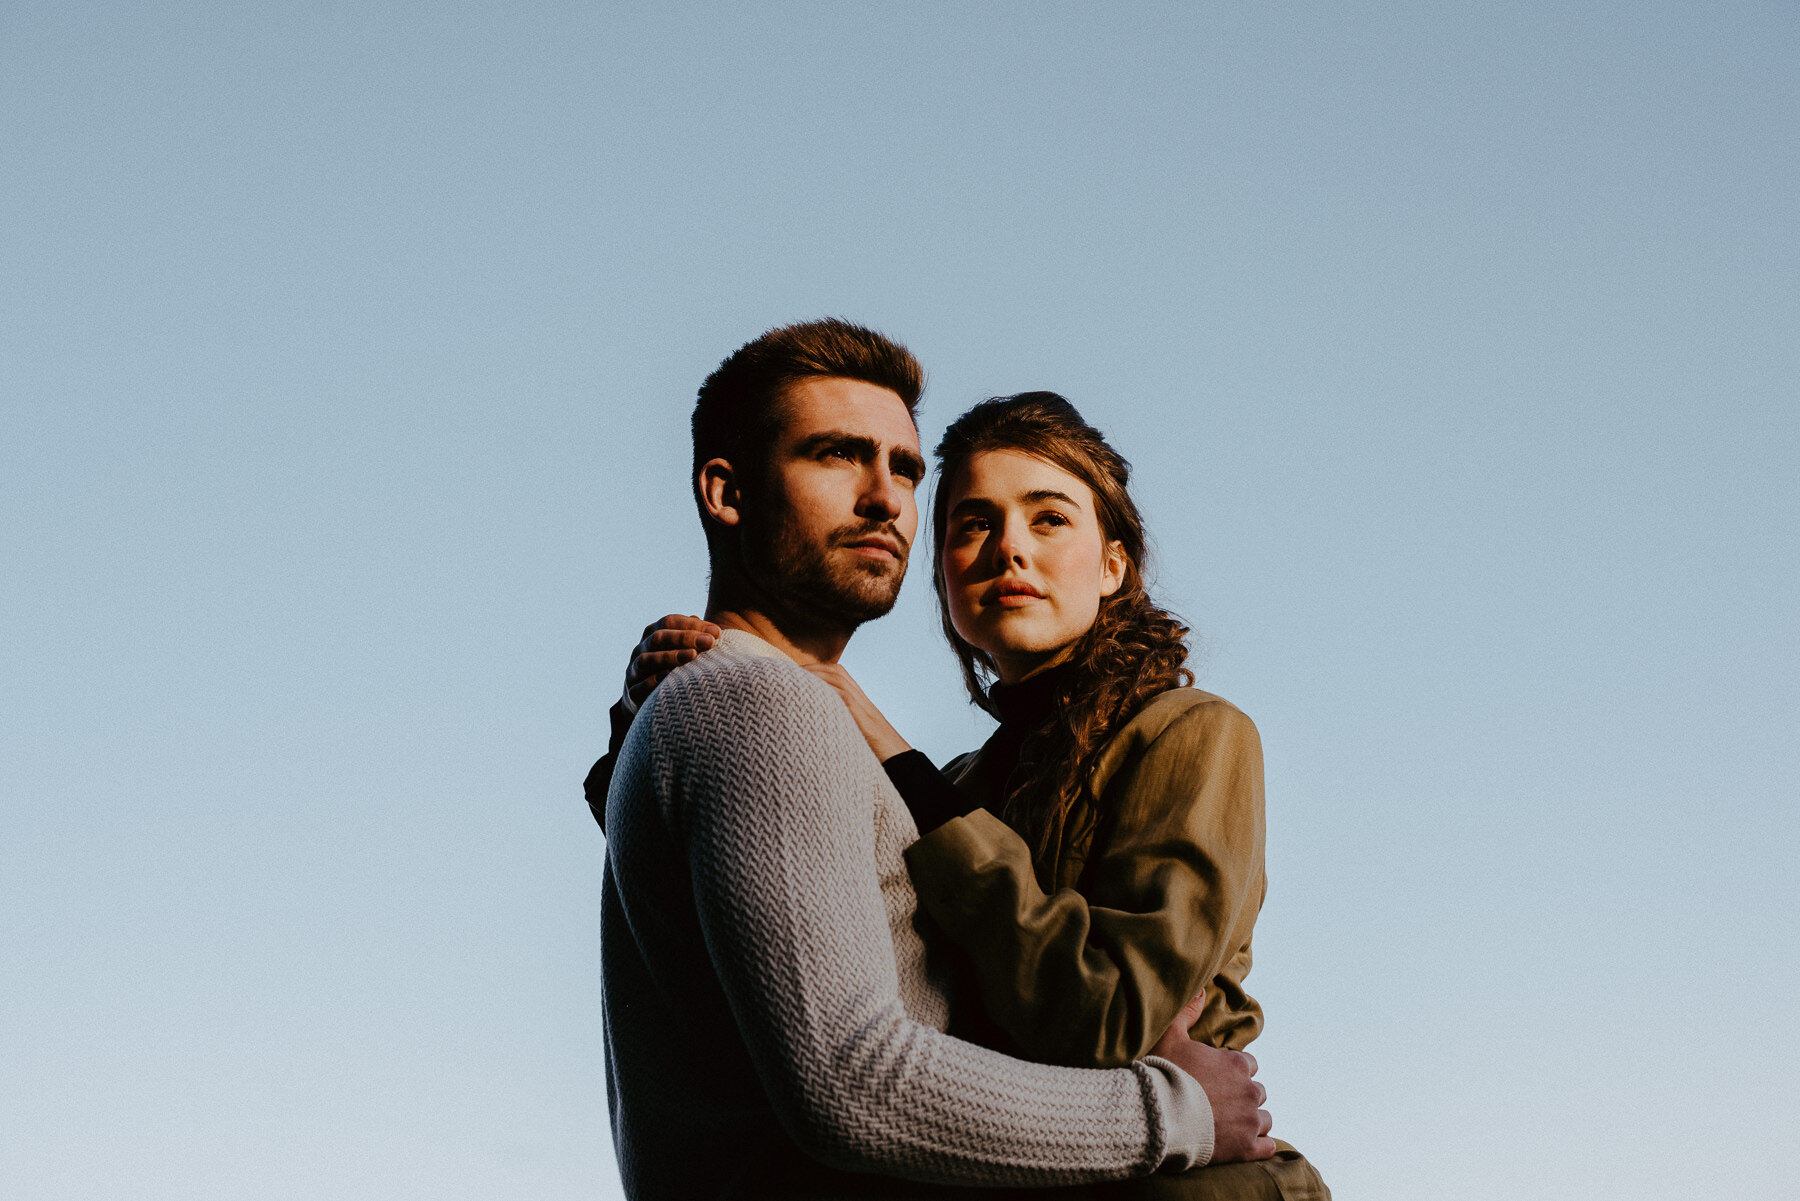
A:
(930, 797)
(1179, 1106)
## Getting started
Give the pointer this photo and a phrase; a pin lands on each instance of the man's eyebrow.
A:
(863, 447)
(862, 444)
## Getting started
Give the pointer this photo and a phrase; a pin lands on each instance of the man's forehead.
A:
(856, 408)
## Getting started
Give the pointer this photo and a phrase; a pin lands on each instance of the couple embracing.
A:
(832, 969)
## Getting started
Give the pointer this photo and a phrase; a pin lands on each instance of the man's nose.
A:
(881, 498)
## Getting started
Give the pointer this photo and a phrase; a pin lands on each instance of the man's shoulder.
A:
(730, 673)
(734, 691)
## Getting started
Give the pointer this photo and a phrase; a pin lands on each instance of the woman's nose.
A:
(1009, 545)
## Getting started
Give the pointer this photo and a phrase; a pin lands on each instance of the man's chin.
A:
(859, 597)
(867, 604)
(846, 589)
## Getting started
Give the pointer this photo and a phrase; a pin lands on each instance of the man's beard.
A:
(808, 578)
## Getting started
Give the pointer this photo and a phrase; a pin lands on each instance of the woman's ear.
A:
(1112, 568)
(719, 493)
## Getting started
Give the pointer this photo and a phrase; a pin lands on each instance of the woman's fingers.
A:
(668, 643)
(658, 664)
(681, 621)
(834, 675)
(685, 638)
(882, 738)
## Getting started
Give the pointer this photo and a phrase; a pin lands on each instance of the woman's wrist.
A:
(930, 797)
(887, 748)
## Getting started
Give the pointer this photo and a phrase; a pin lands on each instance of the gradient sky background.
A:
(346, 353)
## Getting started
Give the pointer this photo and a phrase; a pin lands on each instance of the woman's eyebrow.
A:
(1036, 496)
(973, 504)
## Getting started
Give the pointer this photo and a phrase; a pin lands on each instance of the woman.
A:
(1100, 858)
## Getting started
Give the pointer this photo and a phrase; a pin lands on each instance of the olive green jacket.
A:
(1153, 901)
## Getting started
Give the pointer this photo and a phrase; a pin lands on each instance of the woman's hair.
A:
(1133, 651)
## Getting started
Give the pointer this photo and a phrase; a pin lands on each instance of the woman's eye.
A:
(1052, 519)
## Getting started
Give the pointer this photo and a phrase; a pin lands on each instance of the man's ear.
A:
(719, 492)
(1112, 568)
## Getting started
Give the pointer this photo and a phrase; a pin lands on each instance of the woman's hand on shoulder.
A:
(668, 642)
(882, 738)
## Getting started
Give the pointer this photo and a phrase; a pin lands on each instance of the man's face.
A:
(831, 517)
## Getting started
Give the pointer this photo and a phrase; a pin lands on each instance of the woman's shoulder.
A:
(1189, 708)
(1178, 722)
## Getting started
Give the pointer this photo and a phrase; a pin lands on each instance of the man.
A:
(774, 1019)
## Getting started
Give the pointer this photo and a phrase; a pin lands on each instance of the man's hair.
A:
(738, 413)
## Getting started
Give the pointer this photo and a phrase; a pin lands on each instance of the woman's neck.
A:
(1017, 667)
(1027, 702)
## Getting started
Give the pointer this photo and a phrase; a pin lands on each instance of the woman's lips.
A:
(1015, 594)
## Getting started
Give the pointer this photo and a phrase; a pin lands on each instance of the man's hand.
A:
(668, 643)
(1240, 1124)
(882, 738)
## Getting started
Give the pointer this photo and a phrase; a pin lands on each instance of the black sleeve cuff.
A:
(595, 786)
(929, 795)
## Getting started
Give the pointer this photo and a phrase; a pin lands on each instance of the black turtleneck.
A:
(1022, 708)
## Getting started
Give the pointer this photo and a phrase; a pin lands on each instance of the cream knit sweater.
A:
(773, 1017)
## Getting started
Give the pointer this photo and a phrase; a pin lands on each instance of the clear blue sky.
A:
(346, 352)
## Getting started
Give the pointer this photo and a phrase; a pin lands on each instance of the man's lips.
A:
(876, 547)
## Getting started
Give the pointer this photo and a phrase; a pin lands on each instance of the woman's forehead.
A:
(1009, 475)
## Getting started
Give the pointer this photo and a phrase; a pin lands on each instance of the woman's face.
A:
(1025, 561)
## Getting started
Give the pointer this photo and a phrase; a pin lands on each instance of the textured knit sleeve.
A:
(1172, 885)
(781, 854)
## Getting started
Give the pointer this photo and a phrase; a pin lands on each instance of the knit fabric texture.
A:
(771, 1006)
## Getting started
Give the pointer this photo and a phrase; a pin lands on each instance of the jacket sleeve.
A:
(1175, 869)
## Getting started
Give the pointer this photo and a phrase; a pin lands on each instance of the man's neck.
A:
(802, 646)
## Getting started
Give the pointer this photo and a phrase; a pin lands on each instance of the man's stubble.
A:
(818, 584)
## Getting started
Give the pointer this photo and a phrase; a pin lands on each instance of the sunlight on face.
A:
(1025, 561)
(832, 534)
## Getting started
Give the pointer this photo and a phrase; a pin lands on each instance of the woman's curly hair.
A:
(1133, 651)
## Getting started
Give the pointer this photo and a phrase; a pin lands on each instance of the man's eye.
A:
(841, 452)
